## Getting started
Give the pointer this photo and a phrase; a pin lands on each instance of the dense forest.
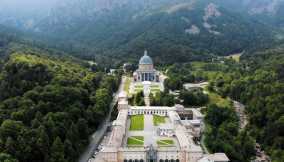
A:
(49, 106)
(257, 81)
(178, 30)
(259, 85)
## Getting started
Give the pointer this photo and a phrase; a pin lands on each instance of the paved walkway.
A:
(147, 101)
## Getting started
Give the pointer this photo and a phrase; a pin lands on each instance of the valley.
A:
(209, 85)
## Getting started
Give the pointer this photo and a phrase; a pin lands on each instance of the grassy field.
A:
(158, 120)
(139, 86)
(235, 57)
(137, 122)
(135, 141)
(165, 142)
(137, 90)
(155, 86)
(218, 100)
(210, 71)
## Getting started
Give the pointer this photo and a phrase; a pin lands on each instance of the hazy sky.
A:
(26, 4)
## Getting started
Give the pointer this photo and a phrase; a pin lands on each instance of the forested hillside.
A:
(260, 85)
(49, 106)
(179, 31)
(256, 81)
(172, 30)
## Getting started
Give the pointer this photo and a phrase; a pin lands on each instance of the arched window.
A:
(130, 160)
(161, 160)
(166, 160)
(177, 160)
(136, 160)
(141, 160)
(172, 160)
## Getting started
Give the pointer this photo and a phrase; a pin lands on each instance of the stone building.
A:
(146, 71)
(180, 128)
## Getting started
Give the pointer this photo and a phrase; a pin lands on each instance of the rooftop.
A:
(146, 60)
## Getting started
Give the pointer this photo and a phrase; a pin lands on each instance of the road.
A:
(99, 134)
(240, 110)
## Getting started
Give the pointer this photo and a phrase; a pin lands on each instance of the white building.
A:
(217, 157)
(181, 132)
(146, 71)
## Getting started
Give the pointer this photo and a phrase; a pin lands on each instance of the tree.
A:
(57, 151)
(10, 128)
(43, 142)
(68, 148)
(139, 99)
(194, 97)
(10, 146)
(102, 100)
(7, 158)
(73, 134)
(83, 128)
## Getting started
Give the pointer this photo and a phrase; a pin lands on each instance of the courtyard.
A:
(136, 87)
(143, 131)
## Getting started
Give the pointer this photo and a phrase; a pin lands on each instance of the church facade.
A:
(146, 70)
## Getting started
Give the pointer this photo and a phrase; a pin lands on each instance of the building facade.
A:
(146, 70)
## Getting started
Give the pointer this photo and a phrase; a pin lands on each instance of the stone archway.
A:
(125, 160)
(161, 160)
(177, 160)
(172, 160)
(136, 160)
(141, 160)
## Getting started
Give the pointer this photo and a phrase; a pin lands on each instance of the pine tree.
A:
(69, 150)
(57, 151)
(43, 142)
(10, 145)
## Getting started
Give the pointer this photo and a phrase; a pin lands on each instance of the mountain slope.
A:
(49, 106)
(177, 31)
(172, 30)
(259, 85)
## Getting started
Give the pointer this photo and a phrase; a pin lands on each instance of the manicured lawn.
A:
(155, 86)
(158, 120)
(140, 86)
(138, 90)
(166, 142)
(137, 122)
(135, 141)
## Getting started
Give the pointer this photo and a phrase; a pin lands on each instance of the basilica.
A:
(146, 70)
(153, 133)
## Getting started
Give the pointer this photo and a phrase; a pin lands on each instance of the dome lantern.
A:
(145, 60)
